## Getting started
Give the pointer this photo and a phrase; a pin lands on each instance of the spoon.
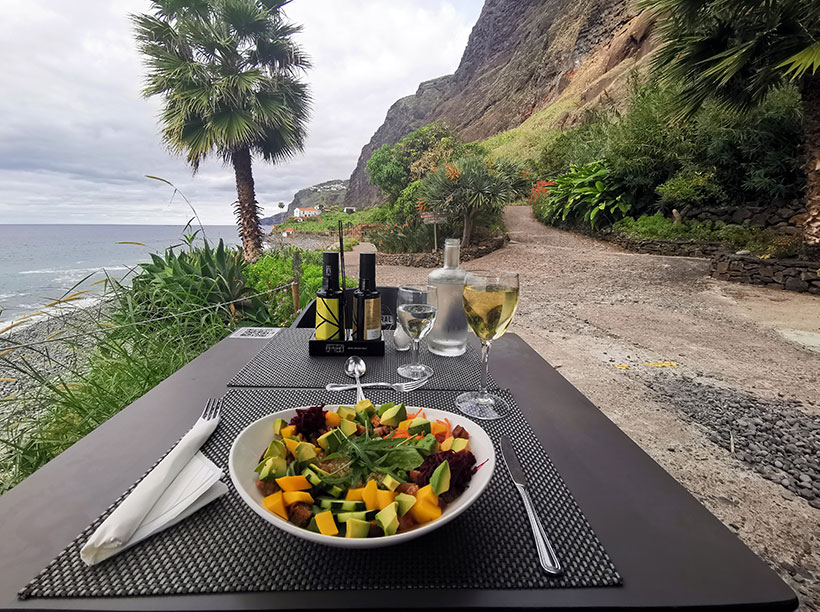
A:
(356, 368)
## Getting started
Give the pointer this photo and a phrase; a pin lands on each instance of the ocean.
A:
(39, 263)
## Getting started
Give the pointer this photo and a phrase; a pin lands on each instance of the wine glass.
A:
(490, 300)
(416, 312)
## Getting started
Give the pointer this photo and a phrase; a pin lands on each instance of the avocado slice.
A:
(394, 416)
(357, 528)
(274, 467)
(419, 425)
(305, 451)
(278, 424)
(390, 483)
(348, 428)
(405, 502)
(427, 445)
(277, 448)
(331, 441)
(365, 406)
(384, 408)
(440, 478)
(388, 519)
(460, 444)
(346, 412)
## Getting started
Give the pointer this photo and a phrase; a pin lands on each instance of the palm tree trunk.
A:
(247, 212)
(811, 99)
(467, 232)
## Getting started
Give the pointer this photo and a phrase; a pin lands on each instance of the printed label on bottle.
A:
(373, 319)
(327, 319)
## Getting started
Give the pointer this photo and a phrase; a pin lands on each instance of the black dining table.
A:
(668, 549)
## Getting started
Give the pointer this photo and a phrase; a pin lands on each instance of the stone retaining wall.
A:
(685, 248)
(785, 214)
(434, 260)
(791, 274)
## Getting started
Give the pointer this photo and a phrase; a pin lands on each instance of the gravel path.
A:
(703, 365)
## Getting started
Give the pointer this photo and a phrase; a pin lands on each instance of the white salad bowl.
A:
(254, 439)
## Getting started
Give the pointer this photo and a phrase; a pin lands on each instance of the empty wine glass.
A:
(416, 312)
(490, 300)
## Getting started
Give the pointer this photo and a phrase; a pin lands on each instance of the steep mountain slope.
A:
(521, 55)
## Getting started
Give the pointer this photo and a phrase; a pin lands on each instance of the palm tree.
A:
(227, 71)
(736, 51)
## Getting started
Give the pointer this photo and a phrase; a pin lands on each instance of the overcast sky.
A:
(77, 138)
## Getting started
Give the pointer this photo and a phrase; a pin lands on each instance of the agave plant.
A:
(227, 72)
(736, 51)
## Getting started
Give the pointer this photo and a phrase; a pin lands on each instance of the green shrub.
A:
(763, 242)
(752, 157)
(404, 209)
(584, 196)
(690, 187)
(407, 237)
(393, 168)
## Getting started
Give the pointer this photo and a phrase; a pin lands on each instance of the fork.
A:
(402, 387)
(212, 409)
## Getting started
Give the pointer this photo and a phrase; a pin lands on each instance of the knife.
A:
(546, 554)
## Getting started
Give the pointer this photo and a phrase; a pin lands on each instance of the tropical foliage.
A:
(227, 73)
(470, 186)
(754, 157)
(736, 52)
(178, 305)
(583, 196)
(393, 168)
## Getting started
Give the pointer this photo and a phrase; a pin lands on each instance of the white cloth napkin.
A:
(182, 483)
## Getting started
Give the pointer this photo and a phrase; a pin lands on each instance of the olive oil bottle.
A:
(329, 300)
(367, 302)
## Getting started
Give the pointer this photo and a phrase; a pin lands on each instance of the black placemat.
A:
(284, 362)
(226, 547)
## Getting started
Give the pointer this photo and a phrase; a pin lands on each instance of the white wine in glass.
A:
(490, 300)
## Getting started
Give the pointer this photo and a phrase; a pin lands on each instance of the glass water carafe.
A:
(449, 335)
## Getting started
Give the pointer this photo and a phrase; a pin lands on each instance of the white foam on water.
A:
(47, 312)
(73, 271)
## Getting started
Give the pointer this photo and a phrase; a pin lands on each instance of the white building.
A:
(306, 212)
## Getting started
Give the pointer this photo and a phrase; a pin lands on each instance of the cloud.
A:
(77, 138)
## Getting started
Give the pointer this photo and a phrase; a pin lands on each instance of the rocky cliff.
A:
(329, 193)
(520, 56)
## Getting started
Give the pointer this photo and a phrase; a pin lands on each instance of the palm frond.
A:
(807, 60)
(226, 70)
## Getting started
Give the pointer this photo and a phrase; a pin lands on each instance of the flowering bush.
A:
(539, 189)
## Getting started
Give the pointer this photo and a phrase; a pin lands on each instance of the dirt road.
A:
(739, 376)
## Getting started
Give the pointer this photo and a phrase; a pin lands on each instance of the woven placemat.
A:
(226, 547)
(285, 362)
